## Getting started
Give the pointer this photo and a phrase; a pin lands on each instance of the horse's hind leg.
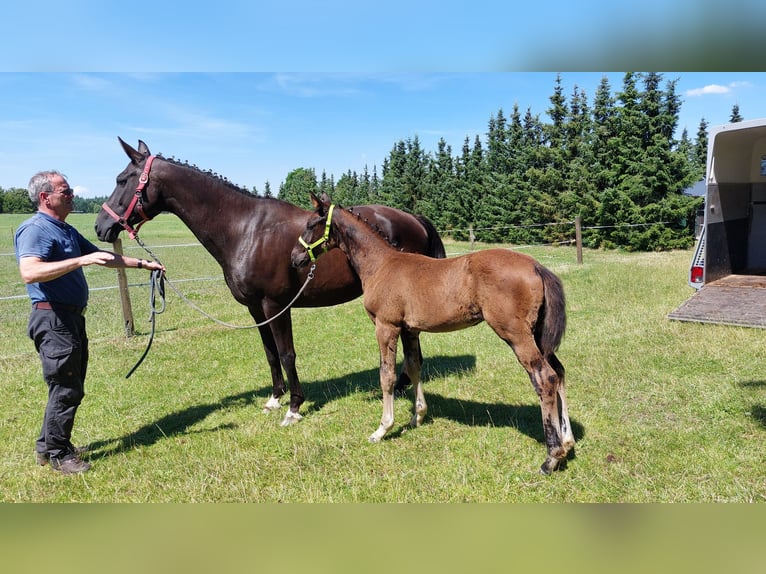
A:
(413, 361)
(567, 436)
(546, 382)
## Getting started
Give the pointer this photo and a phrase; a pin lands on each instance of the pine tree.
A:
(297, 186)
(699, 160)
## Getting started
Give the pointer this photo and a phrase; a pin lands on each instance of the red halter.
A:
(134, 204)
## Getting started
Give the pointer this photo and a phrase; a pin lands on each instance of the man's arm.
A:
(35, 270)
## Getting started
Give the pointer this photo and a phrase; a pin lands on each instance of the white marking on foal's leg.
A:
(378, 434)
(290, 419)
(419, 414)
(272, 405)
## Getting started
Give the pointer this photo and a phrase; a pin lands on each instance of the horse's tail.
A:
(551, 322)
(435, 245)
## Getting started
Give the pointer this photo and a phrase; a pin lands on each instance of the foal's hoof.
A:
(290, 419)
(552, 464)
(378, 435)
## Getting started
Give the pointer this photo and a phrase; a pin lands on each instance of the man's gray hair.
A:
(41, 182)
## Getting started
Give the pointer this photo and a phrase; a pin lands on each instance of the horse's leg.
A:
(388, 337)
(282, 330)
(272, 357)
(404, 379)
(413, 361)
(546, 382)
(568, 439)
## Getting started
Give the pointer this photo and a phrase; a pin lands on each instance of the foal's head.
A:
(318, 233)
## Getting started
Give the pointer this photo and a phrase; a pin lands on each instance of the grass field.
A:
(663, 411)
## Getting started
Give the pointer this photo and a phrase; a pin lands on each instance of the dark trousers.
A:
(62, 343)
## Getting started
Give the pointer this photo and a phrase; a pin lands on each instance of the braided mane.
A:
(208, 173)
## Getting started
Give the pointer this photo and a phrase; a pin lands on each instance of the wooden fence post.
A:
(471, 236)
(127, 310)
(578, 238)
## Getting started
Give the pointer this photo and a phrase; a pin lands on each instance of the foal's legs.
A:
(404, 380)
(546, 382)
(387, 336)
(413, 361)
(567, 436)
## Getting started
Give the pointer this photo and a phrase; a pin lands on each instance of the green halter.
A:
(322, 240)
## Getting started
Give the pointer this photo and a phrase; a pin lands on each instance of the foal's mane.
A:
(208, 173)
(374, 227)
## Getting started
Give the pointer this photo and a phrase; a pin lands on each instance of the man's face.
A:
(61, 200)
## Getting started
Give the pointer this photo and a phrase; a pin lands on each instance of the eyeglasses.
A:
(69, 192)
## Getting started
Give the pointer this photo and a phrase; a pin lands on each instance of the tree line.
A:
(16, 200)
(614, 162)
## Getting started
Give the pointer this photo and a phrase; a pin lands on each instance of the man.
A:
(51, 254)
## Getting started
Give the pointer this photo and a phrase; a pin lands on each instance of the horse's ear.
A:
(326, 201)
(315, 201)
(134, 155)
(143, 148)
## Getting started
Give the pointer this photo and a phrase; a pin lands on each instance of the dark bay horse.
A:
(251, 238)
(406, 294)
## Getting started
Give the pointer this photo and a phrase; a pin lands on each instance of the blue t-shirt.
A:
(52, 240)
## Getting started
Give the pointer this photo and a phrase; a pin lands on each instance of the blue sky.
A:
(254, 127)
(205, 82)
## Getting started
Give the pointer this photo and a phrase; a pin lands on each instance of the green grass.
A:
(663, 411)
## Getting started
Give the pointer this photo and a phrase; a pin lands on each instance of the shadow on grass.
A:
(758, 411)
(759, 414)
(524, 418)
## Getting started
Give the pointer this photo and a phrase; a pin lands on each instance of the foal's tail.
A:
(435, 245)
(552, 320)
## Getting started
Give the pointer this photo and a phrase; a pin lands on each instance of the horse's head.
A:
(318, 233)
(135, 198)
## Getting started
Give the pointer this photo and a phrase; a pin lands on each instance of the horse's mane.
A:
(375, 228)
(208, 173)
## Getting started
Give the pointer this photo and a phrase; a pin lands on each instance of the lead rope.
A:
(309, 277)
(157, 285)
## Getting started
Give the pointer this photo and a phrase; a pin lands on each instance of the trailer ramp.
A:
(733, 300)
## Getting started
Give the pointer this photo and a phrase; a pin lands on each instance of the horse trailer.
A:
(728, 269)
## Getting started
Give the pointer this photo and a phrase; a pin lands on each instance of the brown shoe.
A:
(42, 458)
(71, 464)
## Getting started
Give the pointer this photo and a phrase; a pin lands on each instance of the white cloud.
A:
(710, 89)
(717, 89)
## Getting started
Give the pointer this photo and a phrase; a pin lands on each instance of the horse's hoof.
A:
(290, 419)
(271, 405)
(549, 466)
(377, 436)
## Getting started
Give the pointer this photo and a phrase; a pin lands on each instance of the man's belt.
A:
(47, 306)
